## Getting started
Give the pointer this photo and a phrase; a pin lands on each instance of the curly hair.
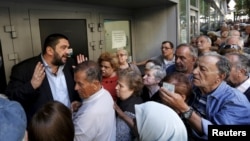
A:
(111, 58)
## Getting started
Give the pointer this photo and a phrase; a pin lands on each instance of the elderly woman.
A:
(122, 56)
(154, 73)
(109, 67)
(128, 91)
(148, 115)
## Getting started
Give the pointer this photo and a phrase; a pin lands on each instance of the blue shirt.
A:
(224, 106)
(57, 84)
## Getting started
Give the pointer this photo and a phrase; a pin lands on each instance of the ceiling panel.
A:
(131, 4)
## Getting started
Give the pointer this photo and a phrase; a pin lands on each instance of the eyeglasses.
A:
(232, 47)
(166, 48)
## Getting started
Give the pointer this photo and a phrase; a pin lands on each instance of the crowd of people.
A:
(52, 97)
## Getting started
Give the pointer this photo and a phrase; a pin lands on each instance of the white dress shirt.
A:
(95, 119)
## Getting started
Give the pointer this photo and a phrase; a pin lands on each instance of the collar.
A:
(244, 86)
(47, 67)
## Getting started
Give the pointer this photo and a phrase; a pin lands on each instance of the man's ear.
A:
(243, 71)
(194, 59)
(222, 76)
(49, 50)
(158, 81)
(96, 85)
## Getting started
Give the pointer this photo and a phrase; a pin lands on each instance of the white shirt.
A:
(95, 119)
(244, 86)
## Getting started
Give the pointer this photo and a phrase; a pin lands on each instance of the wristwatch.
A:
(187, 114)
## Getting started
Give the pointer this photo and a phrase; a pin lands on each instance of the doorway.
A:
(117, 35)
(74, 29)
(3, 83)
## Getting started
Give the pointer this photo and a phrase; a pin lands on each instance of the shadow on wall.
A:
(2, 73)
(141, 68)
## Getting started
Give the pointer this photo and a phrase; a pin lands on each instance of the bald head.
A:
(235, 40)
(234, 33)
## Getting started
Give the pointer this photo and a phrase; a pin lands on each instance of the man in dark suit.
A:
(46, 77)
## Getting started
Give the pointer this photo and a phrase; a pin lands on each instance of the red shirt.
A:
(109, 84)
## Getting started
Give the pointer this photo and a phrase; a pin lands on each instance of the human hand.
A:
(174, 100)
(118, 110)
(81, 58)
(75, 105)
(38, 75)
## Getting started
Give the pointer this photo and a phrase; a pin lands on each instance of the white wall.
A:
(152, 27)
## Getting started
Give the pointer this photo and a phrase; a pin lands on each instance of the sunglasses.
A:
(232, 47)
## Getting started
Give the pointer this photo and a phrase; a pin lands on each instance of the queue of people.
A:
(110, 99)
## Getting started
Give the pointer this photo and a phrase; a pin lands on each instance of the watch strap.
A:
(187, 114)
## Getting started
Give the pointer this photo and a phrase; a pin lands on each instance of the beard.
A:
(57, 60)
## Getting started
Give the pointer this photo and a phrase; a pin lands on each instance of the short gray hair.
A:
(159, 74)
(92, 70)
(193, 51)
(243, 62)
(223, 64)
(206, 37)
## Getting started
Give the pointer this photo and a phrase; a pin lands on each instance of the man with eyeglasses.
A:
(166, 58)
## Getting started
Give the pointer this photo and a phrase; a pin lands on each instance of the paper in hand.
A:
(169, 87)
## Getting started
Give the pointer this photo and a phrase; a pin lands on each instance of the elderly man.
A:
(204, 44)
(215, 102)
(239, 74)
(185, 58)
(95, 119)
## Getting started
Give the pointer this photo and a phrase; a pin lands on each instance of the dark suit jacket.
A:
(247, 93)
(145, 95)
(21, 90)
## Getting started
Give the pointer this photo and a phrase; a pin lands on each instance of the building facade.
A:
(95, 26)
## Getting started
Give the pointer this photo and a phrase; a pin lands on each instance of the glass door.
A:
(193, 23)
(117, 35)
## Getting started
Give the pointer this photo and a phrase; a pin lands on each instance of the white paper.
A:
(169, 87)
(118, 39)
